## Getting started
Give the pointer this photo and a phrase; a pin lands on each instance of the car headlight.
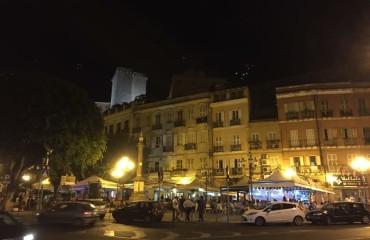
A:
(28, 237)
(252, 213)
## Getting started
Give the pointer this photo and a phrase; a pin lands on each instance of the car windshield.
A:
(263, 206)
(327, 206)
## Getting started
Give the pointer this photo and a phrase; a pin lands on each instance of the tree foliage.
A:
(40, 112)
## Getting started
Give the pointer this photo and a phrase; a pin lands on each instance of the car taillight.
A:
(88, 213)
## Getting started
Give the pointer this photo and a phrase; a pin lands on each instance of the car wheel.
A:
(298, 221)
(77, 222)
(259, 221)
(365, 219)
(328, 220)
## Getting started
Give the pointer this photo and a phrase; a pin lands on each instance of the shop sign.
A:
(350, 180)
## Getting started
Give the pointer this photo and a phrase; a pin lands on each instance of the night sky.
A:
(85, 41)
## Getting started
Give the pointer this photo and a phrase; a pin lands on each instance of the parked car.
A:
(10, 228)
(275, 212)
(140, 210)
(75, 213)
(340, 212)
(100, 205)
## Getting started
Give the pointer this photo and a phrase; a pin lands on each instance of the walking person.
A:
(188, 206)
(201, 208)
(175, 209)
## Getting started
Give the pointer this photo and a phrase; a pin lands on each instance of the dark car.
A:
(140, 210)
(75, 213)
(10, 228)
(340, 212)
(100, 205)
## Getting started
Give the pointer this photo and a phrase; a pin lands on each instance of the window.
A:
(158, 119)
(271, 136)
(218, 141)
(291, 107)
(169, 117)
(203, 111)
(137, 122)
(296, 161)
(190, 113)
(255, 137)
(235, 114)
(288, 206)
(324, 105)
(274, 161)
(157, 142)
(203, 136)
(179, 164)
(294, 141)
(362, 105)
(203, 162)
(306, 106)
(219, 117)
(312, 160)
(180, 115)
(220, 164)
(190, 164)
(118, 129)
(330, 134)
(192, 137)
(332, 159)
(180, 139)
(310, 136)
(350, 158)
(236, 139)
(344, 104)
(349, 133)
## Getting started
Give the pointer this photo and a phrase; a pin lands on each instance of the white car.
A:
(275, 212)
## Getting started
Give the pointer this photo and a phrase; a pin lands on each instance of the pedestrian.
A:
(201, 208)
(188, 206)
(175, 209)
(181, 207)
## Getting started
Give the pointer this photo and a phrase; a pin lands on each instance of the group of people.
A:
(187, 206)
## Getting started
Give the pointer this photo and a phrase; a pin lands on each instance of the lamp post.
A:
(123, 166)
(251, 162)
(361, 164)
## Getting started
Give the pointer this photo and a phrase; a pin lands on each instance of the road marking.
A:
(171, 235)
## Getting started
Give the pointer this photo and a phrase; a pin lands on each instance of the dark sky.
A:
(85, 41)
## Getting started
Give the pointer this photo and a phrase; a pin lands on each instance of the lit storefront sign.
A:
(349, 180)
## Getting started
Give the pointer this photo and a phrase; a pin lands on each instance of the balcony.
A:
(235, 122)
(291, 115)
(236, 171)
(220, 97)
(236, 147)
(179, 172)
(157, 127)
(190, 146)
(167, 148)
(179, 123)
(311, 142)
(350, 141)
(295, 143)
(327, 113)
(273, 144)
(218, 148)
(364, 112)
(255, 145)
(346, 112)
(218, 124)
(201, 120)
(308, 114)
(235, 94)
(219, 172)
(310, 169)
(330, 142)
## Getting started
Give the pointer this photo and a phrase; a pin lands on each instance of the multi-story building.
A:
(324, 128)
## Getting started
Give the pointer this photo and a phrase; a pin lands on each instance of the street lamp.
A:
(122, 166)
(361, 164)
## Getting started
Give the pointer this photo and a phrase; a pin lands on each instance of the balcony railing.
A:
(179, 172)
(273, 144)
(219, 172)
(236, 147)
(311, 142)
(190, 146)
(295, 143)
(350, 141)
(218, 124)
(157, 127)
(308, 114)
(364, 112)
(291, 115)
(220, 97)
(327, 113)
(235, 94)
(167, 148)
(236, 171)
(346, 112)
(179, 123)
(330, 142)
(255, 145)
(310, 169)
(218, 148)
(201, 120)
(234, 122)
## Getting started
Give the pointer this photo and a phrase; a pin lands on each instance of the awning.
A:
(94, 179)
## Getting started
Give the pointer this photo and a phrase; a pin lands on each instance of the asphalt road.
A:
(167, 230)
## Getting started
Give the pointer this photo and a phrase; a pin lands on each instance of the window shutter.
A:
(222, 116)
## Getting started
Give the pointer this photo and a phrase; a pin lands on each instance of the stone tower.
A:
(126, 85)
